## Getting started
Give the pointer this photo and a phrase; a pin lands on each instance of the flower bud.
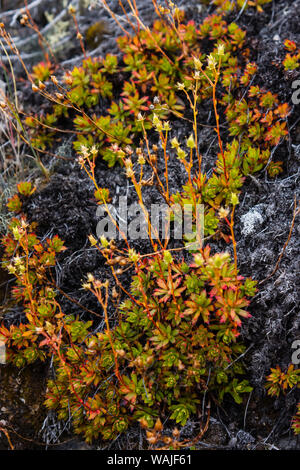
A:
(54, 79)
(174, 143)
(141, 160)
(197, 63)
(158, 425)
(121, 352)
(190, 142)
(234, 199)
(168, 257)
(220, 49)
(92, 240)
(90, 277)
(104, 241)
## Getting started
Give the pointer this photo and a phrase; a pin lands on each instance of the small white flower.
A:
(180, 86)
(211, 62)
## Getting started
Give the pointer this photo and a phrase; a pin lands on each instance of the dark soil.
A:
(66, 207)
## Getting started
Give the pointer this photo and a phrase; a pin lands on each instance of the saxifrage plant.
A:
(176, 339)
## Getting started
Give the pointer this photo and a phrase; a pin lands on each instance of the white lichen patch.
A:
(59, 30)
(251, 221)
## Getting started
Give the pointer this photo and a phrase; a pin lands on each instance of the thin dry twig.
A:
(7, 437)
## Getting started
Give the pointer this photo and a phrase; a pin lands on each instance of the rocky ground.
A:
(263, 219)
